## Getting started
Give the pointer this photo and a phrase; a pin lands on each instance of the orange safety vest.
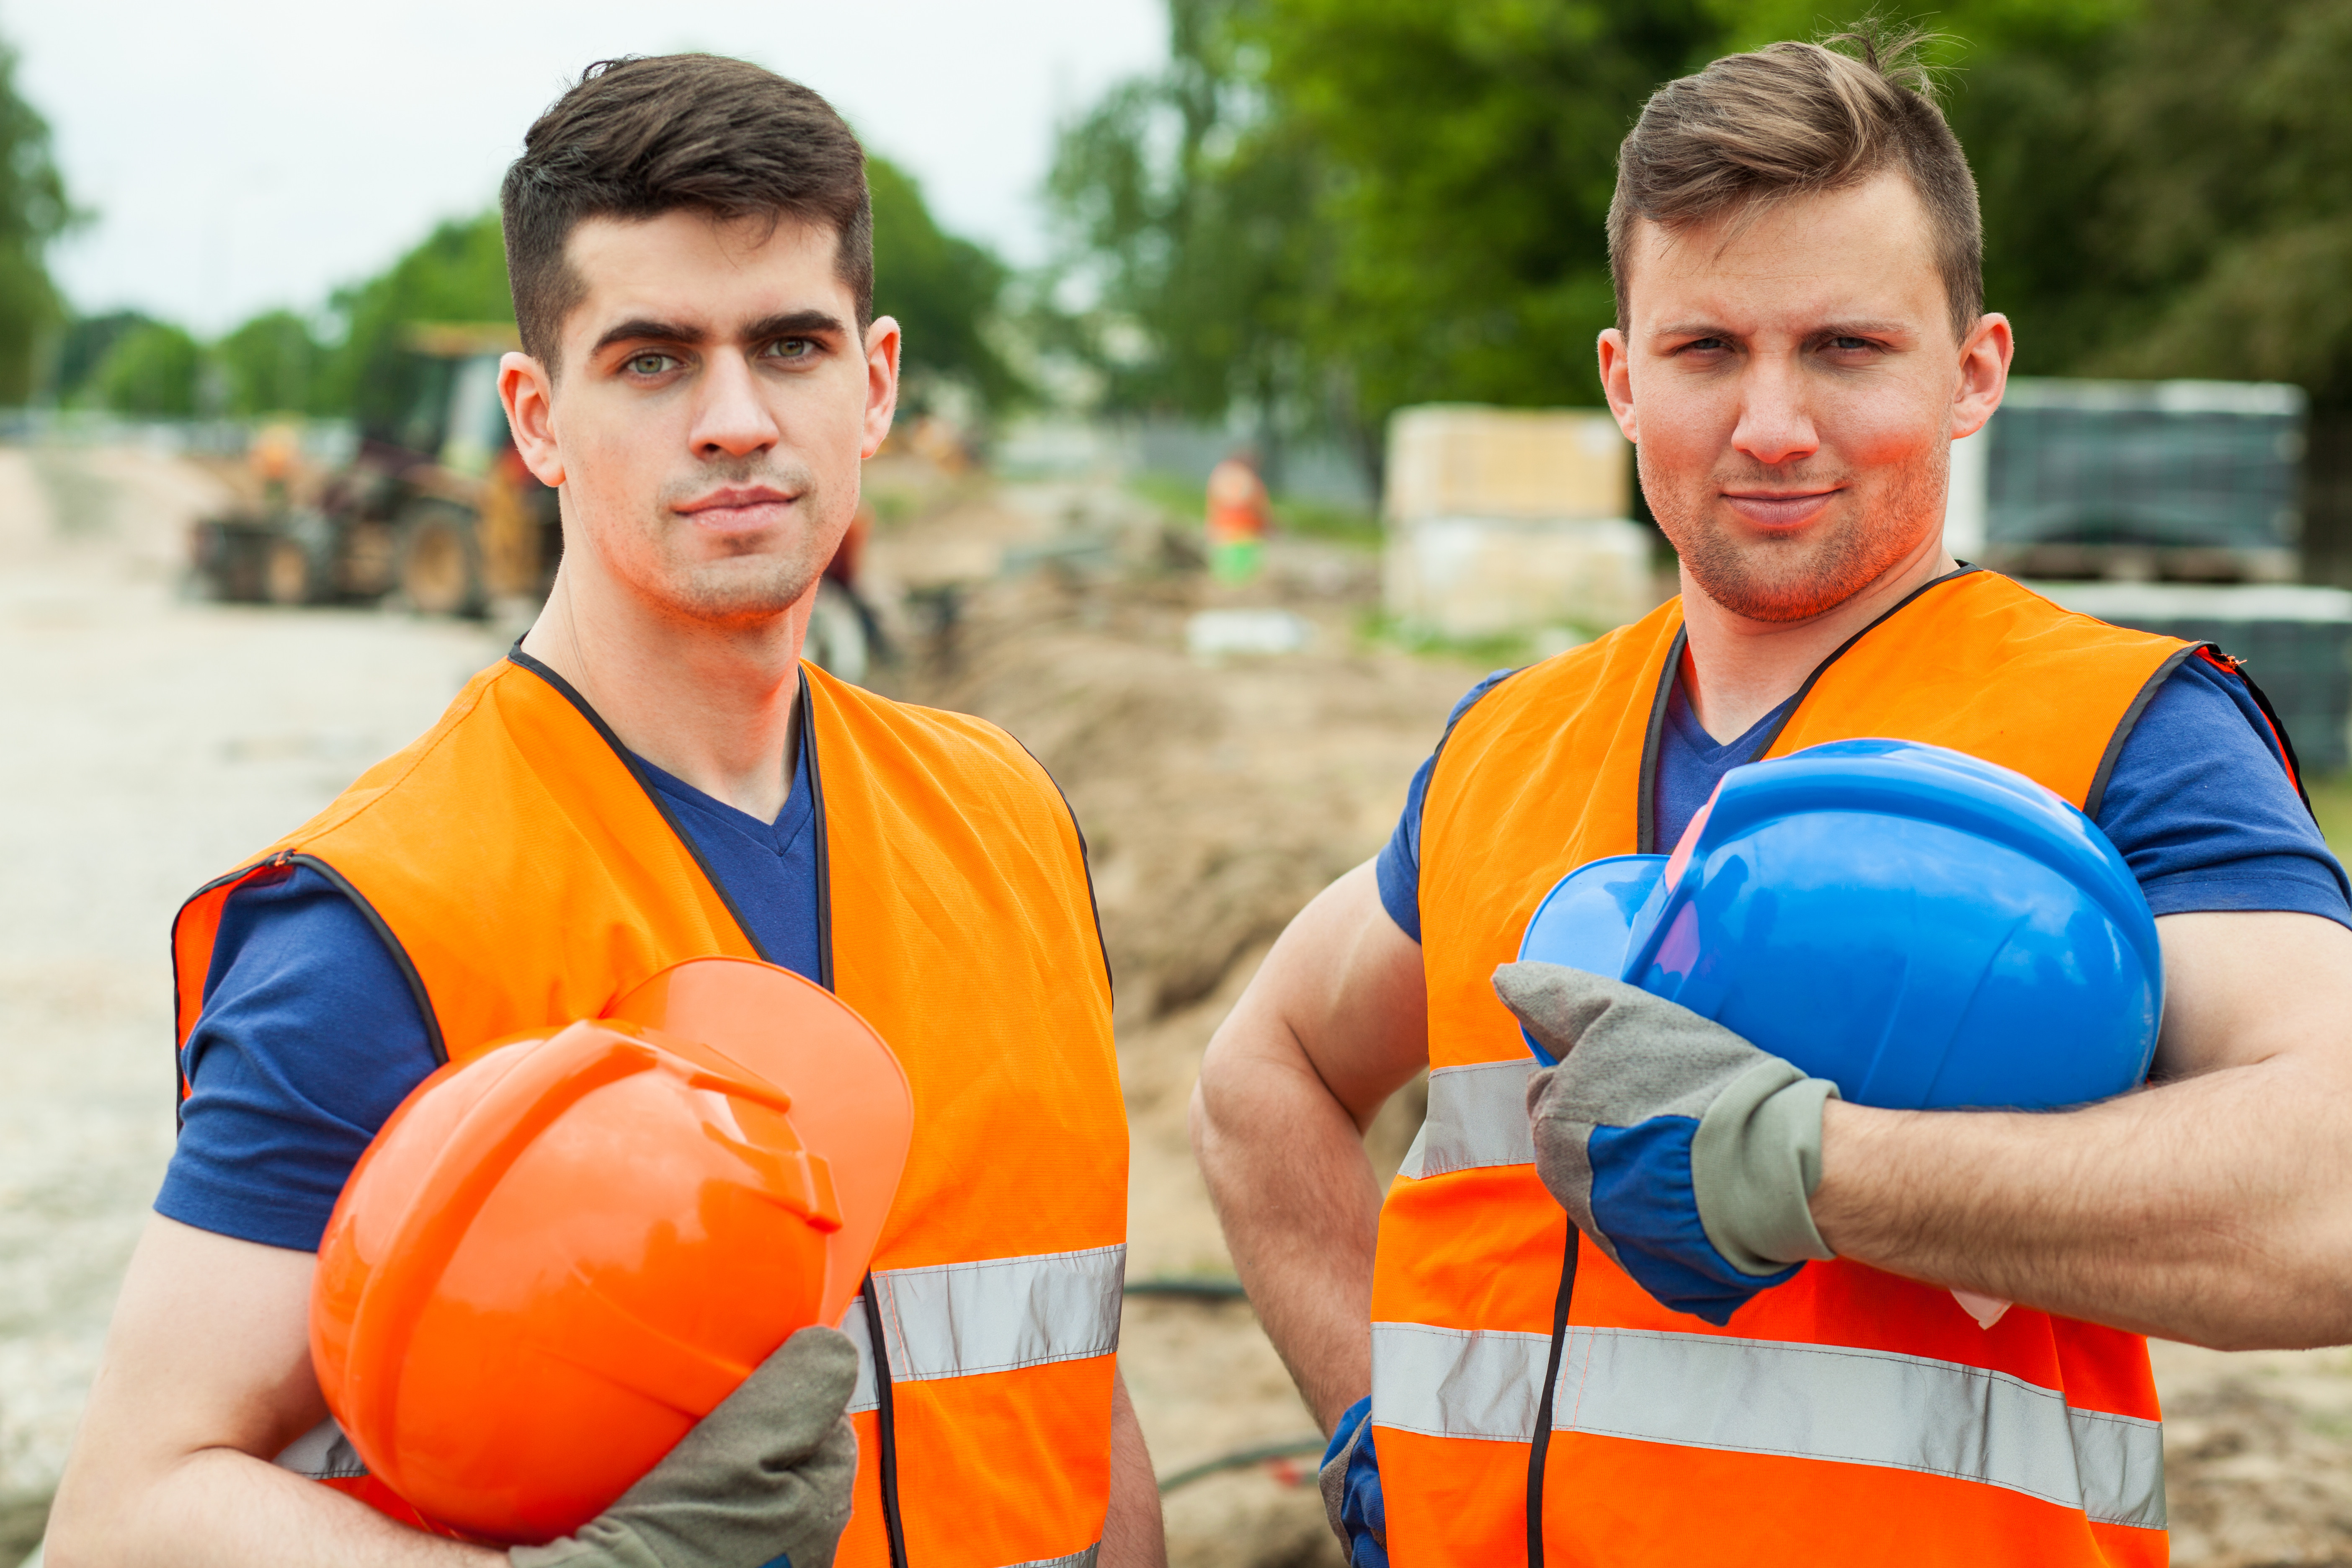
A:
(524, 877)
(1848, 1416)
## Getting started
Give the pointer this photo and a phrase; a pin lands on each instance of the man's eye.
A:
(648, 364)
(790, 348)
(1705, 345)
(1847, 345)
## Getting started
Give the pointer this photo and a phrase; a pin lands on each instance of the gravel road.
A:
(151, 742)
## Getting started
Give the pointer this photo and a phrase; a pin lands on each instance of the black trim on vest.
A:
(629, 761)
(2278, 728)
(1646, 841)
(1847, 646)
(886, 1426)
(439, 1047)
(2107, 759)
(823, 841)
(235, 880)
(1086, 864)
(1540, 1449)
(1645, 814)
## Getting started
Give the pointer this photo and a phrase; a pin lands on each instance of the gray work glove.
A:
(764, 1479)
(1685, 1153)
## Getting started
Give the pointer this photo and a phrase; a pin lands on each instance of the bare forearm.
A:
(1134, 1535)
(221, 1509)
(1335, 1021)
(2217, 1210)
(1300, 1206)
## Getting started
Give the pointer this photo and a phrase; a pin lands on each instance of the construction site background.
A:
(1229, 749)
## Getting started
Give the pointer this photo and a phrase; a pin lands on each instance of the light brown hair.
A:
(639, 137)
(1794, 119)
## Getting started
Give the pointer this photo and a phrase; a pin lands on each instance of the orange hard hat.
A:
(558, 1255)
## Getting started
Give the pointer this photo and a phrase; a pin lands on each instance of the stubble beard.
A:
(1779, 581)
(762, 576)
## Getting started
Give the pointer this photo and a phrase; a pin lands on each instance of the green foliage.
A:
(942, 290)
(82, 348)
(1340, 206)
(1470, 147)
(33, 211)
(155, 369)
(271, 364)
(1190, 198)
(458, 274)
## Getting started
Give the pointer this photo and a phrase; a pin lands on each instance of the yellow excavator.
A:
(435, 508)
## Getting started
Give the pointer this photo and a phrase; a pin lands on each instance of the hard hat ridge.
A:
(1921, 927)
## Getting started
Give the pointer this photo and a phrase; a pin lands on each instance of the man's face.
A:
(1790, 376)
(713, 403)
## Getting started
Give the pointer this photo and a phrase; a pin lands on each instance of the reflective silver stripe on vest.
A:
(1075, 1560)
(1478, 1116)
(1760, 1396)
(960, 1320)
(323, 1454)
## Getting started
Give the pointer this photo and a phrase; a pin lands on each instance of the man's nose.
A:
(730, 418)
(1775, 424)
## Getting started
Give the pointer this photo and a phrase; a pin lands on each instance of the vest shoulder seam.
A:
(425, 745)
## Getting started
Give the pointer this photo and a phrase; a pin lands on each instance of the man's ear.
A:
(881, 383)
(1617, 382)
(1984, 373)
(529, 394)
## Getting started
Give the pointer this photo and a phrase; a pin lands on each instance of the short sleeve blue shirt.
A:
(2199, 804)
(311, 1034)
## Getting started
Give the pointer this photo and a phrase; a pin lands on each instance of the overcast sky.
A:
(242, 154)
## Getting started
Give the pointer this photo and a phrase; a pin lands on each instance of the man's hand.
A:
(1335, 1021)
(1685, 1153)
(763, 1480)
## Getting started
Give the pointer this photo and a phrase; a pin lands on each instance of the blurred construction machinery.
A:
(435, 506)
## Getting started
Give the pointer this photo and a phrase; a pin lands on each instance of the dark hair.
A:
(639, 136)
(1794, 119)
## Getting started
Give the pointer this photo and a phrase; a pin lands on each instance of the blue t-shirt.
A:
(2199, 804)
(311, 1033)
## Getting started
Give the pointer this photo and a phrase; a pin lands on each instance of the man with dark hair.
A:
(653, 775)
(1796, 1373)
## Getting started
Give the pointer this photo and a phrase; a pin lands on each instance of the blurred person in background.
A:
(1789, 1380)
(654, 775)
(1239, 518)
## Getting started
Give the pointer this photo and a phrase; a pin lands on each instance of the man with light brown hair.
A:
(1780, 1370)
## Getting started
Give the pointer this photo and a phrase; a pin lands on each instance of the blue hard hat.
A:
(1923, 928)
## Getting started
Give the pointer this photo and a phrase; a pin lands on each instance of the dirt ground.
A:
(154, 740)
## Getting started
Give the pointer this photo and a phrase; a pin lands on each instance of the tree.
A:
(943, 290)
(155, 370)
(33, 212)
(1187, 205)
(271, 364)
(1327, 208)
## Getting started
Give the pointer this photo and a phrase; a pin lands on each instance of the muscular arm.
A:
(2214, 1208)
(1333, 1024)
(207, 1377)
